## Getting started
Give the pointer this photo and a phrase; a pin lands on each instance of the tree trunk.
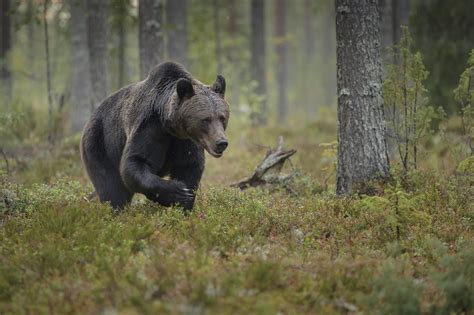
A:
(5, 46)
(232, 13)
(217, 34)
(386, 28)
(328, 52)
(121, 14)
(80, 81)
(309, 36)
(309, 54)
(233, 52)
(31, 12)
(97, 39)
(176, 21)
(121, 44)
(150, 38)
(49, 87)
(258, 55)
(400, 15)
(362, 149)
(282, 59)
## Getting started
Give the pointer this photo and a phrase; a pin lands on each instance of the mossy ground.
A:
(408, 250)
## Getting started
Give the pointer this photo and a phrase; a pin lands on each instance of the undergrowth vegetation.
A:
(292, 249)
(407, 250)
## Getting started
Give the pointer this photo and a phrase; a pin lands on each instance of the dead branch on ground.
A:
(268, 171)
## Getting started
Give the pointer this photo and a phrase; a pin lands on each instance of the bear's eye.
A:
(206, 120)
(222, 119)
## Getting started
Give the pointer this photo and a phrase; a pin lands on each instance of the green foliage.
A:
(456, 282)
(396, 293)
(442, 32)
(467, 166)
(409, 114)
(246, 252)
(395, 216)
(464, 95)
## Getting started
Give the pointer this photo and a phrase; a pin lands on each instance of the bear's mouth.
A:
(212, 152)
(209, 149)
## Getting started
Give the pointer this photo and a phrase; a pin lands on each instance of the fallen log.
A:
(268, 171)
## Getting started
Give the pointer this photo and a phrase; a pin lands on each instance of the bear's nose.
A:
(221, 145)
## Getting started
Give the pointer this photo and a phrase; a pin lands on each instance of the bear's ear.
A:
(219, 85)
(184, 88)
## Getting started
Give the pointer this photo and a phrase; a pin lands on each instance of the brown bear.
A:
(157, 127)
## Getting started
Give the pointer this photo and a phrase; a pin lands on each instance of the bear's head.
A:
(200, 113)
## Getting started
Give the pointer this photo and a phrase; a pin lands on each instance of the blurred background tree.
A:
(443, 33)
(279, 58)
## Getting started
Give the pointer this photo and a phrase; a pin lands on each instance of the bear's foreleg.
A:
(190, 175)
(143, 155)
(138, 177)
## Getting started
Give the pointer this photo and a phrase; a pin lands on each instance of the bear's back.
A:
(167, 72)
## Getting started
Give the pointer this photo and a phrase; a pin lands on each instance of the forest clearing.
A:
(372, 213)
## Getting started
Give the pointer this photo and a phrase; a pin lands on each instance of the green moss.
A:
(466, 166)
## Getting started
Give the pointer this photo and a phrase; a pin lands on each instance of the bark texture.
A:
(257, 49)
(150, 37)
(97, 39)
(281, 49)
(5, 46)
(177, 30)
(362, 150)
(80, 80)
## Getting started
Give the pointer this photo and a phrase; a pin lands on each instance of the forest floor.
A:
(303, 250)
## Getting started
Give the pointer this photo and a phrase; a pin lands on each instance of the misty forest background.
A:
(401, 246)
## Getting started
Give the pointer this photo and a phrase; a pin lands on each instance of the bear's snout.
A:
(221, 145)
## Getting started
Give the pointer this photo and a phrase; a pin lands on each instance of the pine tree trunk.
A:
(386, 28)
(49, 88)
(121, 45)
(150, 38)
(309, 36)
(328, 53)
(258, 54)
(217, 36)
(233, 53)
(362, 150)
(97, 40)
(177, 31)
(31, 12)
(5, 46)
(400, 15)
(80, 81)
(309, 54)
(282, 59)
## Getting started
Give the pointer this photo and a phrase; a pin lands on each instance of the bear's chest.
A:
(180, 154)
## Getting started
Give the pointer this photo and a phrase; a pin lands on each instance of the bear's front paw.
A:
(177, 193)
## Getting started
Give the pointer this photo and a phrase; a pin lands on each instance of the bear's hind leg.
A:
(113, 191)
(104, 176)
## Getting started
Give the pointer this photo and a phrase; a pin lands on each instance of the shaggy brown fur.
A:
(151, 129)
